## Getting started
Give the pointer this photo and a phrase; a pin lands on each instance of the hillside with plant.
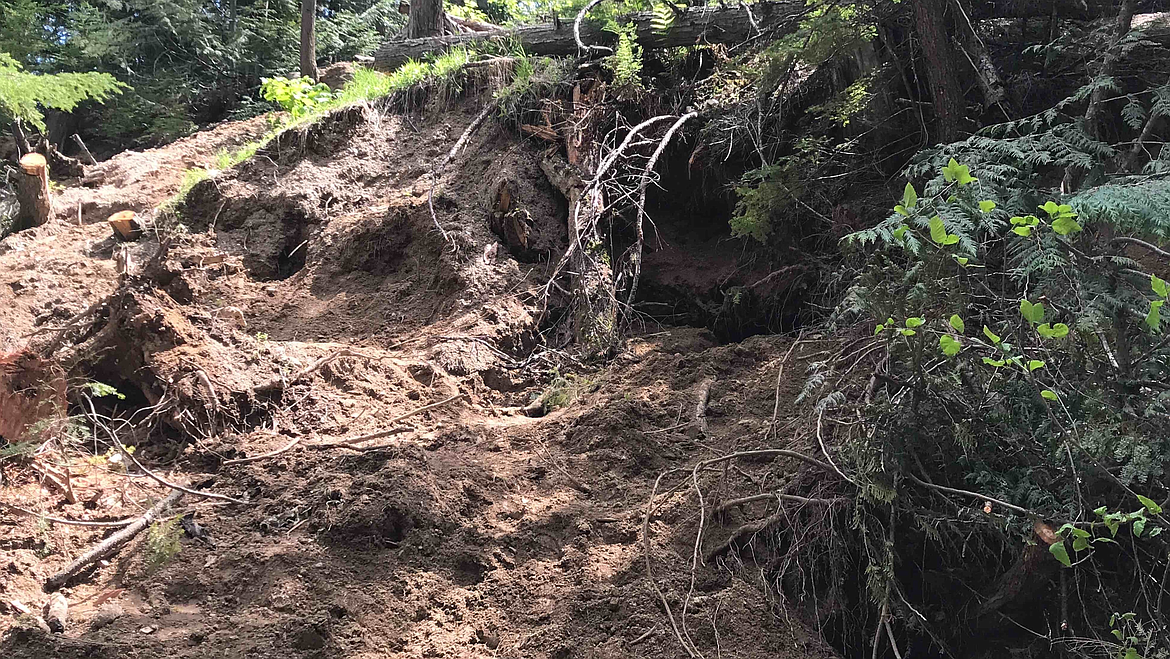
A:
(589, 328)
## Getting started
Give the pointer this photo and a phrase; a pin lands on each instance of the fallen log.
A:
(113, 544)
(696, 25)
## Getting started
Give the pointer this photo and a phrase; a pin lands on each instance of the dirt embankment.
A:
(471, 529)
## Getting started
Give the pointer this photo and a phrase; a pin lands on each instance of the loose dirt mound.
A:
(315, 301)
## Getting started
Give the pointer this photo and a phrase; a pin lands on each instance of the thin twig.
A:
(825, 450)
(777, 496)
(385, 433)
(974, 495)
(287, 447)
(70, 522)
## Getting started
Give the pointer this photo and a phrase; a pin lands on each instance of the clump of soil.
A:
(314, 302)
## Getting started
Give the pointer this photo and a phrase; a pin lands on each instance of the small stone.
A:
(108, 613)
(147, 630)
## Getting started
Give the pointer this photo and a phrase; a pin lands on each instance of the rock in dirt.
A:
(107, 614)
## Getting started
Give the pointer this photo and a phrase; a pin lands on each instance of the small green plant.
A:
(261, 337)
(626, 61)
(162, 543)
(101, 389)
(299, 97)
(565, 389)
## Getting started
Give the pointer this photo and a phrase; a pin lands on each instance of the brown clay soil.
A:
(473, 529)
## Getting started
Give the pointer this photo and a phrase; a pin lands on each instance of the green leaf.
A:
(878, 330)
(949, 171)
(1035, 364)
(1158, 285)
(1049, 394)
(1131, 653)
(962, 260)
(1065, 224)
(1155, 531)
(1080, 544)
(938, 232)
(954, 172)
(909, 196)
(957, 323)
(901, 210)
(951, 239)
(949, 345)
(900, 232)
(1033, 313)
(907, 332)
(1057, 331)
(991, 335)
(915, 321)
(1060, 553)
(1022, 231)
(1154, 318)
(1150, 504)
(987, 206)
(994, 362)
(1050, 207)
(1139, 525)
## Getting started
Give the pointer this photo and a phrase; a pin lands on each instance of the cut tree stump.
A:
(125, 224)
(32, 191)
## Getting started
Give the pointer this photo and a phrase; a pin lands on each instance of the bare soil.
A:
(474, 530)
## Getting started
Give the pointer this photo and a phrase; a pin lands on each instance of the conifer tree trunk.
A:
(426, 19)
(1096, 109)
(309, 39)
(942, 74)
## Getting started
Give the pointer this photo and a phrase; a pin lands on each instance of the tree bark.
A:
(696, 25)
(426, 19)
(309, 39)
(990, 82)
(22, 146)
(942, 74)
(1096, 109)
(32, 192)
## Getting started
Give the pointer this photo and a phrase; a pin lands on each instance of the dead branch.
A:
(779, 376)
(743, 533)
(349, 442)
(70, 522)
(272, 454)
(825, 450)
(777, 496)
(279, 383)
(975, 495)
(112, 544)
(1143, 244)
(693, 653)
(437, 170)
(641, 213)
(577, 30)
(699, 416)
(84, 149)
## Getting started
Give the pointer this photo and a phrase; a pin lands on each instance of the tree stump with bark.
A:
(32, 191)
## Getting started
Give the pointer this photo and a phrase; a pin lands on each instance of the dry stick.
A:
(70, 522)
(393, 431)
(699, 417)
(778, 496)
(150, 474)
(743, 532)
(693, 653)
(280, 383)
(779, 375)
(437, 170)
(877, 633)
(1141, 243)
(84, 149)
(974, 495)
(642, 186)
(287, 447)
(825, 450)
(112, 544)
(577, 29)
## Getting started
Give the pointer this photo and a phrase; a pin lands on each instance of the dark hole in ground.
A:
(292, 258)
(695, 273)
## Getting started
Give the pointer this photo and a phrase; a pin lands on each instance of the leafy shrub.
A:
(23, 95)
(163, 542)
(299, 97)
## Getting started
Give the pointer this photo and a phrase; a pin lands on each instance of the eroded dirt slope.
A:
(472, 529)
